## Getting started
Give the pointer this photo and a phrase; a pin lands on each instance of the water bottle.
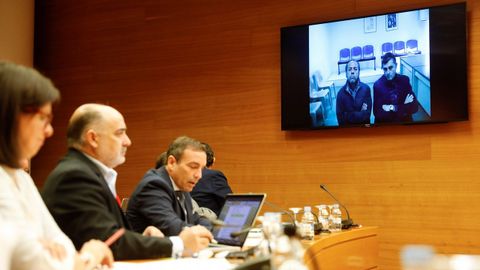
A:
(335, 218)
(307, 224)
(323, 216)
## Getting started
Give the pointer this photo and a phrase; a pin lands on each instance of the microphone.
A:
(283, 212)
(242, 231)
(217, 223)
(346, 223)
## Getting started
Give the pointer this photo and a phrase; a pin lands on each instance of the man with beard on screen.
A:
(354, 101)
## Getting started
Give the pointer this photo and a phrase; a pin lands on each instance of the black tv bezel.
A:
(443, 62)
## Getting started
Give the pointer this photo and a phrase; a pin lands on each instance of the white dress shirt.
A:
(26, 220)
(109, 174)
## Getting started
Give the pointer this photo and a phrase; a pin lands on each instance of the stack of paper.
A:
(179, 264)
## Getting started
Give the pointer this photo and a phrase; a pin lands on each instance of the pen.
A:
(114, 237)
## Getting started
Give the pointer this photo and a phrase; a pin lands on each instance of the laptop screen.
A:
(239, 212)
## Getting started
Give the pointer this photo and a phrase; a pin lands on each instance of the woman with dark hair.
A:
(30, 237)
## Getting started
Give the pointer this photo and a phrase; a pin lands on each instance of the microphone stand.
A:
(288, 213)
(317, 227)
(346, 223)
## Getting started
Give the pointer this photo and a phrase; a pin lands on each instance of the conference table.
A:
(356, 248)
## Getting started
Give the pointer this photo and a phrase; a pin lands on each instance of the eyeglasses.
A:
(45, 118)
(387, 68)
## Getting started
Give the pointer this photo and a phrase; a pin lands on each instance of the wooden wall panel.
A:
(16, 28)
(211, 70)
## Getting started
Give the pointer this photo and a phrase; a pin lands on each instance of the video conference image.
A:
(370, 70)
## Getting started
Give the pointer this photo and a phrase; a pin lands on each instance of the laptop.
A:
(238, 213)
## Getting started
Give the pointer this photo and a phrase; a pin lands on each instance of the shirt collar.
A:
(175, 187)
(353, 92)
(109, 174)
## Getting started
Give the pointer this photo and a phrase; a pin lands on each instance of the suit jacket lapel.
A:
(178, 207)
(112, 200)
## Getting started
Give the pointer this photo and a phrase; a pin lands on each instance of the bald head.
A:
(84, 117)
(99, 131)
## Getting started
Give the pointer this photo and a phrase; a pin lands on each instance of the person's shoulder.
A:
(155, 177)
(73, 164)
(159, 174)
(150, 173)
(70, 175)
(342, 92)
(364, 85)
(380, 83)
(403, 78)
(212, 173)
(343, 88)
(379, 80)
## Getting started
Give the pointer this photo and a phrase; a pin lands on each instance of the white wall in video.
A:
(370, 70)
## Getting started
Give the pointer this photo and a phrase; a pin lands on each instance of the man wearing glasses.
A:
(393, 98)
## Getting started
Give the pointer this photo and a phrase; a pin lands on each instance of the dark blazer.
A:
(154, 203)
(83, 206)
(211, 190)
(349, 109)
(393, 92)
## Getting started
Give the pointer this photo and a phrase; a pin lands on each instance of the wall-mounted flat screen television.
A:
(402, 67)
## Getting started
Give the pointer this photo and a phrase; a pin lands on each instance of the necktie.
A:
(181, 200)
(118, 201)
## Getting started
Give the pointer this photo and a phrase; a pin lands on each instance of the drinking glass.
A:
(272, 224)
(272, 230)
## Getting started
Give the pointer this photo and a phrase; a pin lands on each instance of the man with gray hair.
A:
(80, 192)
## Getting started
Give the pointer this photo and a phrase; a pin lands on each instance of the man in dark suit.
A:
(80, 191)
(162, 197)
(211, 190)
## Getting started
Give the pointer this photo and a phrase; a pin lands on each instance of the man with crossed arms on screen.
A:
(354, 100)
(393, 98)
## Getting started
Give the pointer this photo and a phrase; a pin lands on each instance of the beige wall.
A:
(211, 70)
(16, 31)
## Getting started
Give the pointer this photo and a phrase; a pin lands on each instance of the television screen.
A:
(402, 67)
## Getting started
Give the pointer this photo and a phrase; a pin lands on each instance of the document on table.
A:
(171, 264)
